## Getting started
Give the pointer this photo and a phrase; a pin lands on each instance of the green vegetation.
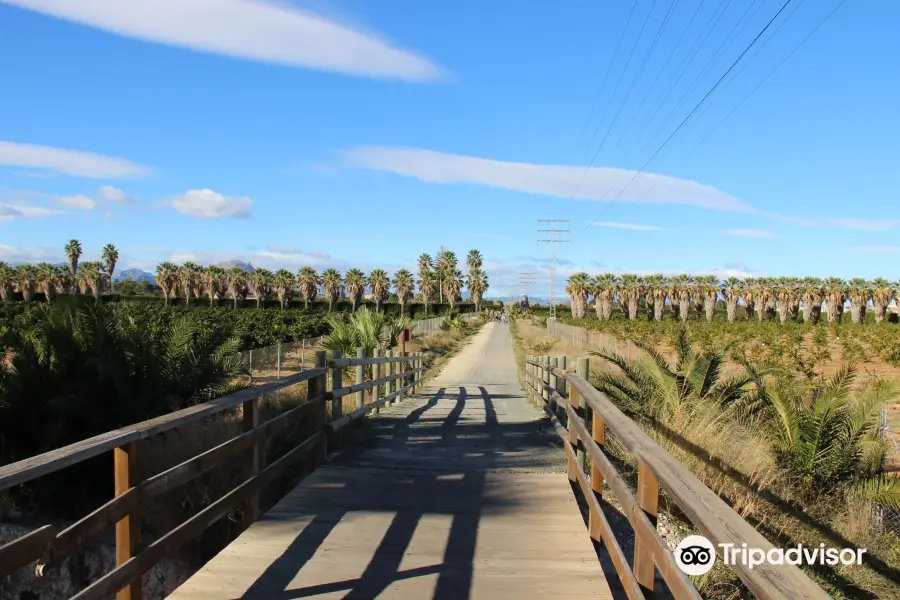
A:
(72, 370)
(800, 458)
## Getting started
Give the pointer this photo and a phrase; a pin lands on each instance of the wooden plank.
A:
(393, 550)
(336, 393)
(250, 421)
(128, 529)
(31, 468)
(648, 501)
(25, 549)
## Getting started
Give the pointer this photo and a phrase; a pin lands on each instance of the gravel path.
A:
(473, 417)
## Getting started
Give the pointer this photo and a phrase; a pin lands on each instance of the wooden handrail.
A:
(352, 362)
(48, 545)
(37, 466)
(717, 521)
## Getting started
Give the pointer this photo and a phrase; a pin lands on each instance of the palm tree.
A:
(731, 291)
(445, 267)
(332, 285)
(859, 291)
(259, 282)
(26, 276)
(364, 329)
(214, 279)
(308, 280)
(379, 284)
(835, 295)
(604, 289)
(478, 285)
(682, 286)
(404, 285)
(283, 283)
(236, 281)
(91, 276)
(629, 294)
(882, 294)
(474, 260)
(707, 292)
(453, 286)
(7, 279)
(355, 281)
(110, 256)
(427, 286)
(166, 279)
(578, 288)
(426, 278)
(73, 253)
(188, 277)
(812, 296)
(48, 280)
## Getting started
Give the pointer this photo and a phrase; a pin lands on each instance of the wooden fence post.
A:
(317, 387)
(250, 421)
(128, 530)
(563, 385)
(648, 498)
(336, 384)
(545, 377)
(376, 374)
(360, 376)
(583, 370)
(598, 433)
(388, 371)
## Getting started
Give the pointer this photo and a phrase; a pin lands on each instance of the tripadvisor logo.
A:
(696, 555)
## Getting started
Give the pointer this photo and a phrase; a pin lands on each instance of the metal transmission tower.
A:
(553, 238)
(526, 278)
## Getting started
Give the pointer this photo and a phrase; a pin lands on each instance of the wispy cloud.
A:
(206, 204)
(857, 224)
(69, 162)
(631, 226)
(78, 202)
(561, 181)
(112, 194)
(875, 249)
(751, 233)
(249, 29)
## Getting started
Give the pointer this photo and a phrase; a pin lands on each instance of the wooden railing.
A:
(566, 391)
(320, 416)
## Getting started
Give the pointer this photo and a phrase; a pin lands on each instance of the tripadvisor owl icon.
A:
(695, 555)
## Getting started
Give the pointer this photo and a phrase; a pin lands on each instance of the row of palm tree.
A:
(763, 297)
(73, 277)
(437, 277)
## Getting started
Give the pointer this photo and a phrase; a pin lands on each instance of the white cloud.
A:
(631, 226)
(207, 204)
(9, 212)
(69, 162)
(751, 233)
(78, 202)
(561, 181)
(249, 29)
(112, 194)
(18, 254)
(875, 249)
(857, 224)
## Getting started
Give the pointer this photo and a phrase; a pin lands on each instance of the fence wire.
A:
(277, 361)
(884, 518)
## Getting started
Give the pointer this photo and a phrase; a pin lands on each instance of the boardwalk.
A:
(460, 493)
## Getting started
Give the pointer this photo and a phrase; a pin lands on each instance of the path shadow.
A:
(457, 491)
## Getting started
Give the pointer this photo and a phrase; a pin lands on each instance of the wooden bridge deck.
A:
(460, 493)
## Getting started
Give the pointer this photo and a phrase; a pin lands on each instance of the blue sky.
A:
(343, 132)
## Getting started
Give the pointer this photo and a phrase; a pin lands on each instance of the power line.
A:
(694, 110)
(616, 89)
(772, 72)
(608, 70)
(553, 239)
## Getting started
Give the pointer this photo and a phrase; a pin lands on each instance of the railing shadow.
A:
(457, 490)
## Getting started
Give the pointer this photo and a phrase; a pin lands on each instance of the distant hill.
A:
(137, 275)
(227, 264)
